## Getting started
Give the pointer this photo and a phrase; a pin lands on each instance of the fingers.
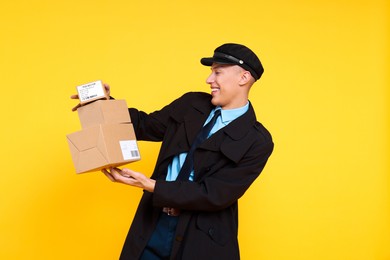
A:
(75, 97)
(108, 174)
(130, 177)
(76, 107)
(117, 175)
(107, 87)
(127, 173)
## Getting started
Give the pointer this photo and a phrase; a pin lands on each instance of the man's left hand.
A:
(130, 177)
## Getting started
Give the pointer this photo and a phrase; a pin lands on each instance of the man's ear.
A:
(245, 78)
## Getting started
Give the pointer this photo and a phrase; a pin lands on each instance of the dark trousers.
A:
(160, 244)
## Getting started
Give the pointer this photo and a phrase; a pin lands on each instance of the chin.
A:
(215, 102)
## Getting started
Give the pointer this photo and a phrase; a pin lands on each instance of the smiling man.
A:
(213, 148)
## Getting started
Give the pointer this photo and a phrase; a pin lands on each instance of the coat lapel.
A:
(189, 124)
(194, 121)
(229, 139)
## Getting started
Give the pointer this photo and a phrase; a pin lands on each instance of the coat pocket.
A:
(214, 227)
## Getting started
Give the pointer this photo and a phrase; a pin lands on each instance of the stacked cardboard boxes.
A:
(107, 138)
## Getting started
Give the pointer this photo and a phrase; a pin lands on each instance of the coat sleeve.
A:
(219, 189)
(152, 127)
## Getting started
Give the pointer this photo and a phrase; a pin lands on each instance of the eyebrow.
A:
(217, 66)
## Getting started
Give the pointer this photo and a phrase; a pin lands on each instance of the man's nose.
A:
(210, 79)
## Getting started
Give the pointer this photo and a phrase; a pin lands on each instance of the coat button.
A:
(179, 238)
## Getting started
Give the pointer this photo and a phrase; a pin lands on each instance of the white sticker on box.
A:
(129, 149)
(90, 91)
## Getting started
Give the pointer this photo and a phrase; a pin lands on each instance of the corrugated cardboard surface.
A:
(99, 146)
(103, 112)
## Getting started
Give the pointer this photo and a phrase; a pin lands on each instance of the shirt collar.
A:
(228, 115)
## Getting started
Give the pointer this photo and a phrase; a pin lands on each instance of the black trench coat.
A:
(225, 165)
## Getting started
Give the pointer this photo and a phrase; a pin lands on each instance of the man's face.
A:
(225, 88)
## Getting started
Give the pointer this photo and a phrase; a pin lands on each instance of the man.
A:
(193, 213)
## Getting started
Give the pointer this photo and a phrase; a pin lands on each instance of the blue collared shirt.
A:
(226, 117)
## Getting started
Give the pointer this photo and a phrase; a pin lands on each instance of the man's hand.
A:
(129, 177)
(106, 86)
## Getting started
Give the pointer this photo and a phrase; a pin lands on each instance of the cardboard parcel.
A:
(103, 112)
(103, 146)
(107, 138)
(91, 91)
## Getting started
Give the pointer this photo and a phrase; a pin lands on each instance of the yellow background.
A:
(325, 192)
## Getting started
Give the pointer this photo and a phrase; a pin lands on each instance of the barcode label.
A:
(129, 149)
(90, 90)
(91, 97)
(134, 153)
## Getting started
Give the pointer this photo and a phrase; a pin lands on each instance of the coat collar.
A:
(194, 121)
(236, 129)
(232, 147)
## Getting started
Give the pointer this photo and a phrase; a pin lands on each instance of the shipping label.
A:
(90, 91)
(129, 149)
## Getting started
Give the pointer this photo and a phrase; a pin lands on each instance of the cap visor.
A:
(211, 60)
(207, 61)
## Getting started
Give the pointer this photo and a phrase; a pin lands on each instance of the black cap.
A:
(236, 54)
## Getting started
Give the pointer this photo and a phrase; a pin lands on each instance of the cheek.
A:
(228, 89)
